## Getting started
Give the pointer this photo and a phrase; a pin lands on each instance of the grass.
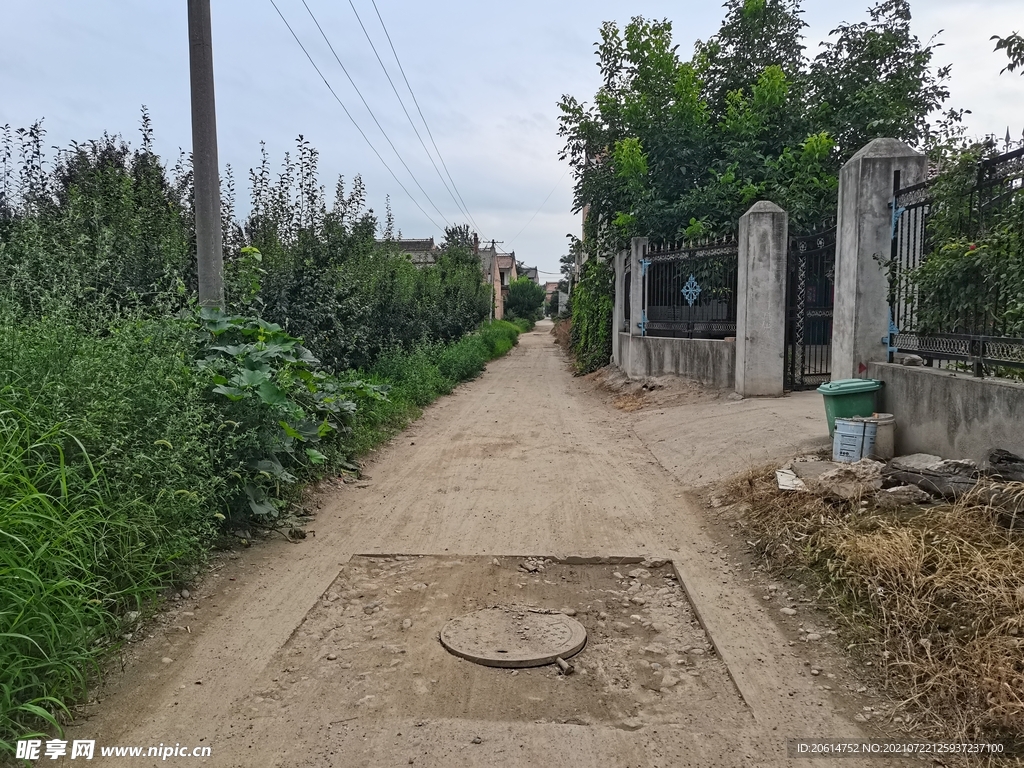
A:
(73, 558)
(418, 378)
(934, 594)
(109, 487)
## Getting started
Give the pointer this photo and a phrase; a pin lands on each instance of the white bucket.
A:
(885, 436)
(854, 439)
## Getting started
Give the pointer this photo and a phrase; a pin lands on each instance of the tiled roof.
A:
(505, 261)
(416, 245)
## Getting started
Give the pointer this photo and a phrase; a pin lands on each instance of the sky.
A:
(488, 77)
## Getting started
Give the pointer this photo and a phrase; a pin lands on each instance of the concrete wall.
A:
(711, 362)
(955, 416)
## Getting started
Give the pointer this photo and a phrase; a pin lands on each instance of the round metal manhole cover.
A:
(513, 637)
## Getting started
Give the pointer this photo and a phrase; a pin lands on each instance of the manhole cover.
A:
(513, 637)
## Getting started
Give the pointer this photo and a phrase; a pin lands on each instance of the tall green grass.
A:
(109, 486)
(73, 557)
(415, 379)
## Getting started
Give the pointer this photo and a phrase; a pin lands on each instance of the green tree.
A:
(1013, 46)
(525, 299)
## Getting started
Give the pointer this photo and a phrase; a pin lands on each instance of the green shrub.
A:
(499, 336)
(75, 554)
(590, 339)
(525, 325)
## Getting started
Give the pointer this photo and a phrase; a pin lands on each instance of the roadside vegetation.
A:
(930, 596)
(137, 430)
(677, 149)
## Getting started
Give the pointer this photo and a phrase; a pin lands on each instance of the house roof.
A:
(505, 261)
(550, 287)
(416, 245)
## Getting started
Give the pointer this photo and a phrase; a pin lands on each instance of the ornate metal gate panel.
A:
(810, 293)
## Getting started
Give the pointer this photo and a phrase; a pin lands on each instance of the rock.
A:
(495, 562)
(167, 660)
(639, 573)
(1006, 466)
(617, 575)
(638, 600)
(333, 597)
(914, 360)
(332, 656)
(371, 607)
(668, 680)
(812, 636)
(947, 478)
(815, 672)
(132, 616)
(788, 611)
(696, 651)
(185, 594)
(900, 496)
(406, 623)
(476, 740)
(568, 611)
(851, 481)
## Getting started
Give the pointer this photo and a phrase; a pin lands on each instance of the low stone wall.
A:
(712, 362)
(952, 415)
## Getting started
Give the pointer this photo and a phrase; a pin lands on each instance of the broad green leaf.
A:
(248, 378)
(270, 393)
(314, 456)
(232, 393)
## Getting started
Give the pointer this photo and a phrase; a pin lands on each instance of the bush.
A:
(524, 325)
(525, 299)
(592, 307)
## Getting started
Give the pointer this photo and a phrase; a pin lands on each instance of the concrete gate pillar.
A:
(619, 306)
(761, 301)
(637, 251)
(860, 317)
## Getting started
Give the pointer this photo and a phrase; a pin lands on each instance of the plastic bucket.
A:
(885, 436)
(854, 439)
(846, 398)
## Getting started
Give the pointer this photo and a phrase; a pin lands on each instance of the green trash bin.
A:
(847, 398)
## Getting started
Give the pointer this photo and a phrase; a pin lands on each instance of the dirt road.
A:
(325, 653)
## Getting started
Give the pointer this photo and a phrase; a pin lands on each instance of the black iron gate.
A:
(810, 282)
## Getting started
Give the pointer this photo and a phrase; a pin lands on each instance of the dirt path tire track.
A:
(525, 460)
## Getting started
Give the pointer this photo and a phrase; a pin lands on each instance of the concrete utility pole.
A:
(206, 171)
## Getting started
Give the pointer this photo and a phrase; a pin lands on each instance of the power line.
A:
(349, 115)
(422, 117)
(375, 120)
(541, 206)
(407, 115)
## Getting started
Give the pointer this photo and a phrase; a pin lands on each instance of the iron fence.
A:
(810, 296)
(689, 291)
(976, 336)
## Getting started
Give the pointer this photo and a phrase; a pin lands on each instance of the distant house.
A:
(530, 272)
(422, 253)
(550, 289)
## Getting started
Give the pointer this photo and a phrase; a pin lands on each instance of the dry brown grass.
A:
(631, 402)
(936, 593)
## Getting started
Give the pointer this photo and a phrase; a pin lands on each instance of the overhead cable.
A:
(408, 117)
(422, 117)
(540, 207)
(352, 119)
(372, 115)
